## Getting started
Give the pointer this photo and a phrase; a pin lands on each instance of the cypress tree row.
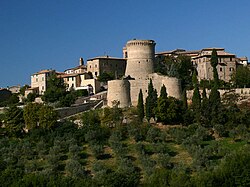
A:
(140, 106)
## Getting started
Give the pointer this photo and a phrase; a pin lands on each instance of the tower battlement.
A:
(140, 42)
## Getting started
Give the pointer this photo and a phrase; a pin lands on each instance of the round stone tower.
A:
(119, 91)
(140, 58)
(173, 86)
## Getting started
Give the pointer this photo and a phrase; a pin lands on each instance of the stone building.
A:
(14, 89)
(77, 78)
(178, 52)
(201, 59)
(140, 56)
(39, 81)
(81, 68)
(81, 81)
(111, 65)
(226, 64)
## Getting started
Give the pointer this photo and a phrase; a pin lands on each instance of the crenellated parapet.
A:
(141, 43)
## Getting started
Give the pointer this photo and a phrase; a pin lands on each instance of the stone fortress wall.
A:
(242, 92)
(139, 71)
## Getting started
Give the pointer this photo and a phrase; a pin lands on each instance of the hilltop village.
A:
(173, 118)
(131, 73)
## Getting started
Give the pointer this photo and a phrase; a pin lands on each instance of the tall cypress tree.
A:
(151, 100)
(204, 98)
(140, 106)
(184, 99)
(214, 63)
(196, 99)
(205, 111)
(214, 97)
(162, 106)
(163, 93)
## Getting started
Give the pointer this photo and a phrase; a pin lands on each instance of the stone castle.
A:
(140, 55)
(137, 68)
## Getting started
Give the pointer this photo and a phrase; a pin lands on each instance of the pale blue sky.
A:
(43, 34)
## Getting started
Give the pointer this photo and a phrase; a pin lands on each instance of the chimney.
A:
(81, 62)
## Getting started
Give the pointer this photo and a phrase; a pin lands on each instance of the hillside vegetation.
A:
(105, 151)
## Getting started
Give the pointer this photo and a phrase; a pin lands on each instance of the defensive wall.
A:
(243, 92)
(68, 111)
(172, 86)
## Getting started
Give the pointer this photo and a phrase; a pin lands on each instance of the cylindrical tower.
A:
(140, 58)
(119, 91)
(173, 86)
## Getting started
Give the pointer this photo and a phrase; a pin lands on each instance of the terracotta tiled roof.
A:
(71, 74)
(43, 71)
(77, 67)
(243, 58)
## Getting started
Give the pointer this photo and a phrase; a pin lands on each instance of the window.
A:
(220, 69)
(231, 69)
(42, 87)
(42, 78)
(36, 79)
(72, 85)
(230, 58)
(72, 78)
(95, 73)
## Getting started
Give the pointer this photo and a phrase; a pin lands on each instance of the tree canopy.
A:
(241, 77)
(55, 89)
(140, 106)
(180, 67)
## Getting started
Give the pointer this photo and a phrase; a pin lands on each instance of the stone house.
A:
(111, 65)
(227, 63)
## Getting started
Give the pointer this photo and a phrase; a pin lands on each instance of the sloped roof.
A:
(105, 57)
